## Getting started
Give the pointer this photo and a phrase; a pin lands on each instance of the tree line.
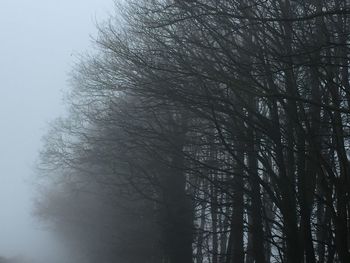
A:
(207, 131)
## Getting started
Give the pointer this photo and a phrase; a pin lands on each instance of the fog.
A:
(38, 45)
(192, 131)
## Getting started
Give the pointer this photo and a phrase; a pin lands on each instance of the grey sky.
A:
(37, 40)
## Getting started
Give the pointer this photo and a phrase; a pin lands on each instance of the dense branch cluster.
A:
(208, 131)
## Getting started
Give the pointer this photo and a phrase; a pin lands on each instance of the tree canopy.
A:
(208, 131)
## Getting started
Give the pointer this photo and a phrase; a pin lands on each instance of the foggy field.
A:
(175, 131)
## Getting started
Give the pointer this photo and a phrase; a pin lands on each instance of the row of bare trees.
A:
(209, 131)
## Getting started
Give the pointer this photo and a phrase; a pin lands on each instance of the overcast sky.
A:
(38, 41)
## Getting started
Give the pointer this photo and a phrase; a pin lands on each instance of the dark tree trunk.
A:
(235, 248)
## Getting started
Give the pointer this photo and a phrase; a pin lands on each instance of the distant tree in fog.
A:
(92, 206)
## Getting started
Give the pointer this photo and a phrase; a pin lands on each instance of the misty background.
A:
(39, 42)
(192, 131)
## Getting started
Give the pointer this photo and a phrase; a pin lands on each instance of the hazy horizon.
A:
(39, 41)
